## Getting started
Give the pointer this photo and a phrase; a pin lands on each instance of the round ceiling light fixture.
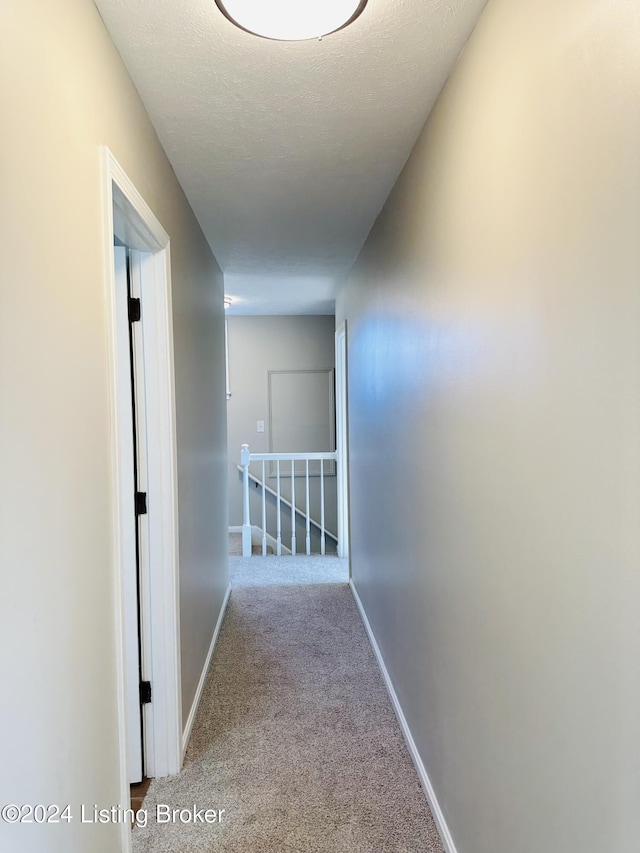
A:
(291, 20)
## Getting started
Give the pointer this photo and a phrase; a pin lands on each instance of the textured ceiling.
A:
(288, 150)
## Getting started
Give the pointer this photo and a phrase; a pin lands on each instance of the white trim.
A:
(203, 677)
(237, 529)
(342, 441)
(165, 712)
(126, 213)
(226, 358)
(329, 455)
(438, 815)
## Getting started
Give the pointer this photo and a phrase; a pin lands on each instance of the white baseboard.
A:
(237, 529)
(203, 677)
(438, 816)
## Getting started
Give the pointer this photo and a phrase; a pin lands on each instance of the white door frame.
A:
(127, 216)
(342, 441)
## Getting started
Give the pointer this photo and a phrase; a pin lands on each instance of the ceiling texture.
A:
(287, 151)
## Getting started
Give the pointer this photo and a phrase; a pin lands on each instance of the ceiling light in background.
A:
(291, 20)
(227, 302)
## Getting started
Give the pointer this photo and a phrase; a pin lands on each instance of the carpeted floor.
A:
(295, 739)
(269, 571)
(235, 544)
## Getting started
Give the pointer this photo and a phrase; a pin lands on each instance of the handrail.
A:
(329, 456)
(246, 458)
(300, 512)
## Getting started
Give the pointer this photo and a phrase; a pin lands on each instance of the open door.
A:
(131, 412)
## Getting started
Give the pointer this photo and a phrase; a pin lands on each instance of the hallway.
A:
(408, 247)
(295, 736)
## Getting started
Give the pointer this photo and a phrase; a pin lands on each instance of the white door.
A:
(131, 418)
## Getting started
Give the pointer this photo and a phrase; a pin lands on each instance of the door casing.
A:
(342, 443)
(127, 216)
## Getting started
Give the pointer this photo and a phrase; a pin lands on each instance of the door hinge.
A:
(141, 503)
(145, 692)
(135, 309)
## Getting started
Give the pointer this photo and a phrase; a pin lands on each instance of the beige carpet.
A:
(295, 738)
(235, 544)
(277, 571)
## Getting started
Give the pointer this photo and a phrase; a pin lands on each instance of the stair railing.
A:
(246, 458)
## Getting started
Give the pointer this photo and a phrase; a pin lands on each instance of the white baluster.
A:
(322, 536)
(264, 512)
(293, 507)
(279, 540)
(245, 458)
(308, 517)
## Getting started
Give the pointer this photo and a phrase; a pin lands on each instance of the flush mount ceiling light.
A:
(291, 20)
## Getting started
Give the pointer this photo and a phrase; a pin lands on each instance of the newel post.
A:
(245, 458)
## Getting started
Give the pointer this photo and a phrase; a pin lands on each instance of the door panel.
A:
(128, 544)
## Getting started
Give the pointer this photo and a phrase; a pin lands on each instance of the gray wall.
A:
(494, 376)
(63, 93)
(256, 346)
(202, 457)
